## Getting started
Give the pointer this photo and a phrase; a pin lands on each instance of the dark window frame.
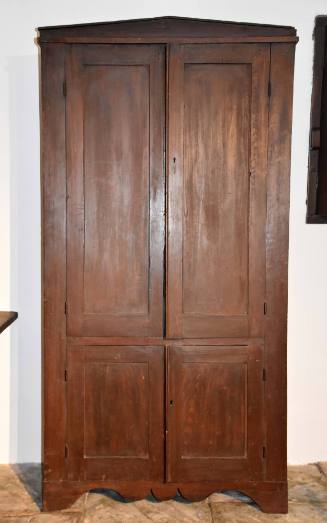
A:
(317, 165)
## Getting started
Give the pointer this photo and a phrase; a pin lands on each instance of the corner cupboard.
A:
(165, 174)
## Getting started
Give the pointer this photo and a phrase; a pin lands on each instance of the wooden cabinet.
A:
(165, 175)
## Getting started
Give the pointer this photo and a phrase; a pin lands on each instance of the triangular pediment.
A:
(166, 27)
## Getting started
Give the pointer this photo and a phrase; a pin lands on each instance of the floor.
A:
(20, 503)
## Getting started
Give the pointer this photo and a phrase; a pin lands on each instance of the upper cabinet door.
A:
(115, 182)
(217, 158)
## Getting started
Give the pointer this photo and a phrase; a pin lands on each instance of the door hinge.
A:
(263, 452)
(264, 375)
(66, 450)
(265, 308)
(269, 89)
(65, 307)
(66, 375)
(64, 88)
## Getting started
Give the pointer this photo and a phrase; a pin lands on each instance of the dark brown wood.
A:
(115, 407)
(6, 319)
(270, 496)
(218, 105)
(215, 421)
(115, 180)
(160, 341)
(317, 166)
(165, 29)
(153, 387)
(279, 151)
(53, 181)
(171, 40)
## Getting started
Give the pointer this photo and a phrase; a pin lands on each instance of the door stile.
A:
(167, 413)
(174, 187)
(258, 192)
(170, 413)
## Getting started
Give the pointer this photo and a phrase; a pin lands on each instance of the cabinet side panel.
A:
(279, 149)
(53, 180)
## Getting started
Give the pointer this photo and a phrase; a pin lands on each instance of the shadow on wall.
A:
(30, 475)
(25, 389)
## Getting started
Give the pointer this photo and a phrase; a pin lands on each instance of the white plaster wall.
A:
(20, 354)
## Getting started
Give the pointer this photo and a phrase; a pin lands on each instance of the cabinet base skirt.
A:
(271, 496)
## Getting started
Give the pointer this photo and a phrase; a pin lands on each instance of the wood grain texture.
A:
(215, 421)
(6, 319)
(53, 181)
(115, 413)
(116, 189)
(217, 162)
(216, 189)
(280, 121)
(115, 179)
(116, 399)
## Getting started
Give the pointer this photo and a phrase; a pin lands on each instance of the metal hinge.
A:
(263, 452)
(269, 89)
(265, 307)
(264, 375)
(66, 375)
(66, 450)
(64, 88)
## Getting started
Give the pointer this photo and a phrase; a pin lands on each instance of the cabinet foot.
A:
(271, 497)
(273, 500)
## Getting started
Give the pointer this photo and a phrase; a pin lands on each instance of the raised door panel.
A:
(215, 416)
(115, 413)
(218, 107)
(115, 172)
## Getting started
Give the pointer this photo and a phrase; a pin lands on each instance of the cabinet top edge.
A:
(166, 29)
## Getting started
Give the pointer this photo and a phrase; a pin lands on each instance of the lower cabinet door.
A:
(115, 406)
(215, 413)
